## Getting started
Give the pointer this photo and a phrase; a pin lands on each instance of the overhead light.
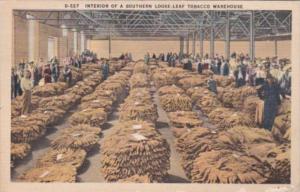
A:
(67, 16)
(63, 26)
(29, 16)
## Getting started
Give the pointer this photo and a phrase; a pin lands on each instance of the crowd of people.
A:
(42, 72)
(271, 76)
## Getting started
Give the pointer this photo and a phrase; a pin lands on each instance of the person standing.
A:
(212, 84)
(251, 73)
(105, 70)
(20, 75)
(26, 86)
(270, 93)
(225, 68)
(67, 75)
(54, 72)
(173, 60)
(199, 66)
(146, 59)
(286, 82)
(47, 73)
(13, 83)
(260, 75)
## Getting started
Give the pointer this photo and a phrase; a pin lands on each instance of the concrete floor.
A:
(90, 171)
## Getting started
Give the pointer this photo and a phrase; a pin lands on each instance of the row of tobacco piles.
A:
(139, 153)
(52, 102)
(232, 149)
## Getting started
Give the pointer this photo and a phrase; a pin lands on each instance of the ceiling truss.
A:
(165, 23)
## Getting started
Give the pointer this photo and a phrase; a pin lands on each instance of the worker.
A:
(251, 74)
(47, 73)
(13, 83)
(67, 75)
(153, 56)
(26, 86)
(147, 58)
(285, 83)
(276, 72)
(199, 66)
(54, 71)
(270, 93)
(212, 84)
(260, 75)
(189, 65)
(105, 70)
(225, 68)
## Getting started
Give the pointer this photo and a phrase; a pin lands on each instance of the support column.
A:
(75, 39)
(32, 39)
(65, 40)
(82, 41)
(227, 36)
(109, 46)
(181, 40)
(212, 36)
(252, 37)
(188, 44)
(201, 38)
(276, 48)
(194, 43)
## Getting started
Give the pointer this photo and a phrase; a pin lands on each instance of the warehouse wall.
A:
(45, 32)
(20, 39)
(140, 47)
(63, 46)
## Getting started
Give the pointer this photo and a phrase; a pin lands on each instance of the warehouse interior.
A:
(150, 117)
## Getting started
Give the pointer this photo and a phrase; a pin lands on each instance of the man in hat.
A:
(270, 93)
(276, 72)
(260, 75)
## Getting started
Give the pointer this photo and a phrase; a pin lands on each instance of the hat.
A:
(287, 67)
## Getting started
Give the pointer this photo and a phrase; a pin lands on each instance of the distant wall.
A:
(139, 47)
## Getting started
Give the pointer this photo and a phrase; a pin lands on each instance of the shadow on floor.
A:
(175, 179)
(161, 125)
(106, 126)
(85, 166)
(40, 144)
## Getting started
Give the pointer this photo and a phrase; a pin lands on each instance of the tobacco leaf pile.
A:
(190, 82)
(280, 160)
(282, 124)
(234, 97)
(53, 173)
(162, 78)
(63, 156)
(192, 143)
(94, 117)
(226, 117)
(173, 89)
(184, 119)
(18, 151)
(225, 166)
(176, 102)
(208, 102)
(138, 150)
